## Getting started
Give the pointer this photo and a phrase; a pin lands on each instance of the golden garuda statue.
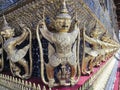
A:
(63, 50)
(89, 54)
(19, 65)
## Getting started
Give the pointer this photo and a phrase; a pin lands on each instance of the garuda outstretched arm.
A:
(22, 37)
(45, 32)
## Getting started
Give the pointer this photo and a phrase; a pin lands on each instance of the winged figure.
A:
(17, 55)
(63, 50)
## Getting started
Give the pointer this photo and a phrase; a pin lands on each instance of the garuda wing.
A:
(19, 54)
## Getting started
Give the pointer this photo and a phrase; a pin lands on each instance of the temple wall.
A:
(89, 12)
(106, 13)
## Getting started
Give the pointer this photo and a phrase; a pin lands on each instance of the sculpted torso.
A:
(64, 52)
(62, 43)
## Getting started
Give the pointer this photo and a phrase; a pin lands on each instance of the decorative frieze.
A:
(59, 26)
(11, 83)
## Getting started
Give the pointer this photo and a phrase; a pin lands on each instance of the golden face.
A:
(63, 24)
(7, 33)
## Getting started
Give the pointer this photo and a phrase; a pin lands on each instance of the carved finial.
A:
(5, 22)
(64, 8)
(50, 89)
(30, 84)
(23, 82)
(44, 88)
(16, 80)
(3, 76)
(43, 13)
(26, 83)
(7, 77)
(38, 87)
(64, 12)
(76, 20)
(13, 79)
(10, 78)
(34, 86)
(5, 25)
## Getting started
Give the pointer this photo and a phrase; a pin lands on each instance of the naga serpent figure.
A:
(13, 54)
(66, 46)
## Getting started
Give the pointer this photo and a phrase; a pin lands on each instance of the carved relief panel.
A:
(58, 35)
